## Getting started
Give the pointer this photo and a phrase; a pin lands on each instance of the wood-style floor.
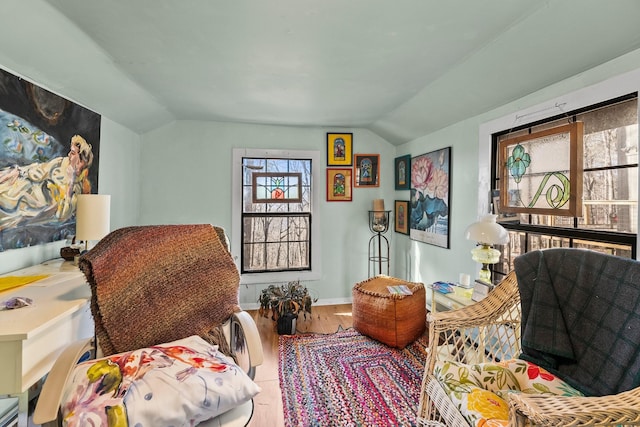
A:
(268, 404)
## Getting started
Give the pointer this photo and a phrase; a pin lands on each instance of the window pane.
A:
(279, 243)
(277, 165)
(607, 248)
(611, 147)
(276, 228)
(613, 116)
(299, 255)
(253, 257)
(253, 229)
(541, 241)
(299, 229)
(610, 200)
(276, 256)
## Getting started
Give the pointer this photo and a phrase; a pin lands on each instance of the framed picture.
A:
(339, 149)
(401, 216)
(402, 168)
(541, 172)
(339, 183)
(366, 168)
(430, 184)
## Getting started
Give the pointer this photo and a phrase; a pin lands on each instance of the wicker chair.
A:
(489, 331)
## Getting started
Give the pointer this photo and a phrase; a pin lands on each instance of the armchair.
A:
(165, 305)
(568, 322)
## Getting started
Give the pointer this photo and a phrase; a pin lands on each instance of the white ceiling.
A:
(402, 68)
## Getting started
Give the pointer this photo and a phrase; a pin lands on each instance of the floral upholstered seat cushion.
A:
(481, 391)
(180, 383)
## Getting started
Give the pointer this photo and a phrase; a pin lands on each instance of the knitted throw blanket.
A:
(581, 317)
(155, 284)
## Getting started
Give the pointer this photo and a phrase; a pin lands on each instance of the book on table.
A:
(399, 290)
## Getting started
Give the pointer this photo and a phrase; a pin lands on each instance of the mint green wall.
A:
(186, 173)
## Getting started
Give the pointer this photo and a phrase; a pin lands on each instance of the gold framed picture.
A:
(339, 182)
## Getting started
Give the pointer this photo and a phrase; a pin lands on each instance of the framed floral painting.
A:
(430, 183)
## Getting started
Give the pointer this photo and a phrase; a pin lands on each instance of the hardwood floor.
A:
(268, 404)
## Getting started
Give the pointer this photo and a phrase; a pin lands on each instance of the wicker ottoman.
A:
(393, 319)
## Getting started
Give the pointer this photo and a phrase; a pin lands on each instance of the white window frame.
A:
(236, 215)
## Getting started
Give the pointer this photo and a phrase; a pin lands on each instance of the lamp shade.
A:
(488, 231)
(93, 212)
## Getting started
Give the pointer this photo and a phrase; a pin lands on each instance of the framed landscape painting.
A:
(430, 184)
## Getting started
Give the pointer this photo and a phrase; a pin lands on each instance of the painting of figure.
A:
(49, 152)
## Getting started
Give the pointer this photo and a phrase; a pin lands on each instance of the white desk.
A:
(31, 338)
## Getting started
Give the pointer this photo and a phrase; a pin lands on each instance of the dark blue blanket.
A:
(581, 317)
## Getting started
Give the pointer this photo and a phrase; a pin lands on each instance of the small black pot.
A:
(286, 324)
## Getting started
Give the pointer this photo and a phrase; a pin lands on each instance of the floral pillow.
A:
(480, 391)
(180, 383)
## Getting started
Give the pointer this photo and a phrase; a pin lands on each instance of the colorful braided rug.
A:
(348, 379)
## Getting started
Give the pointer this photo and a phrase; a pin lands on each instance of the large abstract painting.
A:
(49, 153)
(430, 183)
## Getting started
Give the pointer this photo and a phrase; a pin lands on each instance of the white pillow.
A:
(180, 383)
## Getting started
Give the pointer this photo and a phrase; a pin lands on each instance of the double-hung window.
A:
(274, 238)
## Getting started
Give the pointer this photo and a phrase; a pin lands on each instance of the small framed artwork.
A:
(402, 167)
(339, 149)
(366, 168)
(339, 183)
(401, 215)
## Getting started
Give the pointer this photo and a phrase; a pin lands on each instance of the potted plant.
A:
(284, 303)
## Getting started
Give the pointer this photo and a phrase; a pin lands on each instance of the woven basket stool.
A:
(395, 320)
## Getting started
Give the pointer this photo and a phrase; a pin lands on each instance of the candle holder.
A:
(378, 244)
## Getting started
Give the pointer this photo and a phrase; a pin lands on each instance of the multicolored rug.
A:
(348, 379)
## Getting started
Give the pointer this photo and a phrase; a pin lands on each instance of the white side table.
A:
(31, 338)
(448, 301)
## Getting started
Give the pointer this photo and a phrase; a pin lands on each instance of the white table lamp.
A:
(487, 232)
(93, 212)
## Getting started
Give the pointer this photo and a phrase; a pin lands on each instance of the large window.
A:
(609, 203)
(275, 215)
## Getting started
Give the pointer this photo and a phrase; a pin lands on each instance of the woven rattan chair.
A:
(486, 331)
(153, 285)
(489, 331)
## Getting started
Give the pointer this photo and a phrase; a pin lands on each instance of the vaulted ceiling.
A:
(402, 68)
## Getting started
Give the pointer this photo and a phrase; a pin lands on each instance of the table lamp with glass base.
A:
(487, 232)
